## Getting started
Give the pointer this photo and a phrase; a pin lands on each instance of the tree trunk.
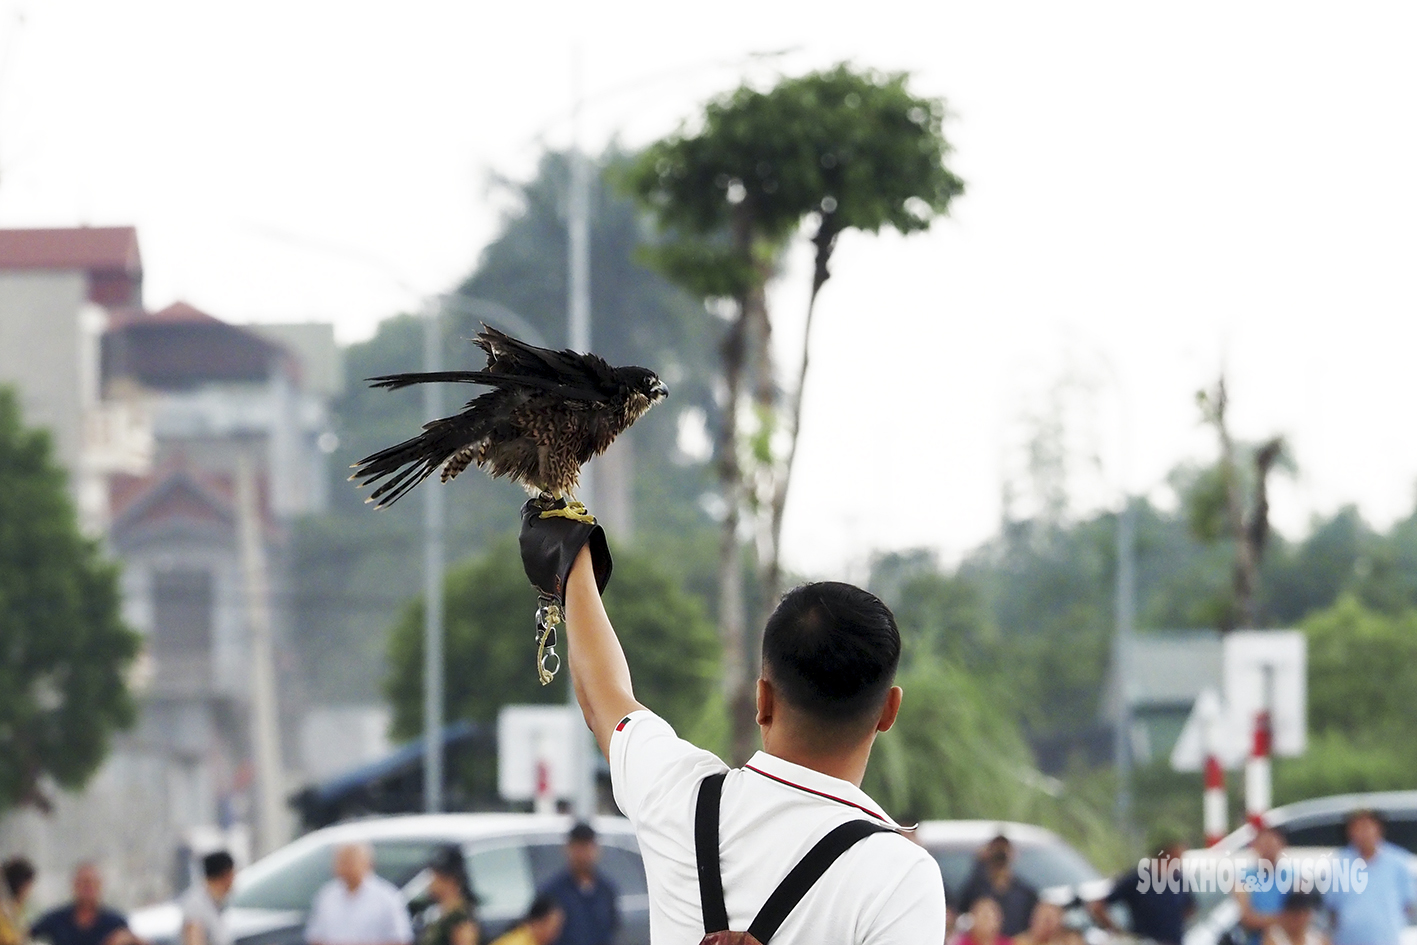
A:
(730, 566)
(825, 243)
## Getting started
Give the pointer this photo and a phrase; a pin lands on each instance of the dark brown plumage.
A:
(547, 413)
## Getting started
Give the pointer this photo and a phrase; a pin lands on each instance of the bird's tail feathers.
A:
(399, 381)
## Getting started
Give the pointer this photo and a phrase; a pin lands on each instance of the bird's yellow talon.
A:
(575, 511)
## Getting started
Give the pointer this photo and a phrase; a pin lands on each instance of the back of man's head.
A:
(218, 864)
(830, 651)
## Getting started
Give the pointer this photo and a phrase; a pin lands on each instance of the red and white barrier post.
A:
(1257, 770)
(1214, 806)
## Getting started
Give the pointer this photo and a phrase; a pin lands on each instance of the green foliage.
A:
(853, 147)
(490, 658)
(1334, 764)
(954, 751)
(63, 691)
(1361, 684)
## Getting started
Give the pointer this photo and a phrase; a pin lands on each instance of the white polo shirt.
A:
(885, 890)
(374, 914)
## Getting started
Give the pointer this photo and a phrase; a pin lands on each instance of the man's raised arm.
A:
(598, 668)
(568, 561)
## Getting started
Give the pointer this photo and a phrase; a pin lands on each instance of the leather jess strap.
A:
(794, 885)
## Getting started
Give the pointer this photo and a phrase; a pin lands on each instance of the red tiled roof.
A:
(105, 248)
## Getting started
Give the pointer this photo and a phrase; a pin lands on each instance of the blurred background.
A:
(1133, 377)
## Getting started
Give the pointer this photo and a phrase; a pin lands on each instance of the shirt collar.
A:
(816, 783)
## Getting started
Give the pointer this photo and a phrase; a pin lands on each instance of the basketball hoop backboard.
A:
(1260, 669)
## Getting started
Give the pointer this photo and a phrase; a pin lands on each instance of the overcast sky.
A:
(1155, 191)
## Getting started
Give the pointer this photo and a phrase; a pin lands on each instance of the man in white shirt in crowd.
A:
(830, 653)
(358, 906)
(202, 921)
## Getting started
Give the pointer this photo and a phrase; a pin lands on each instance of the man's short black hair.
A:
(582, 832)
(218, 864)
(831, 651)
(19, 872)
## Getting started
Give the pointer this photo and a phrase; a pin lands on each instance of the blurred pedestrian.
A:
(16, 881)
(541, 926)
(456, 923)
(1158, 912)
(1378, 913)
(202, 904)
(358, 906)
(85, 921)
(985, 924)
(993, 876)
(1291, 926)
(1045, 927)
(1259, 896)
(589, 900)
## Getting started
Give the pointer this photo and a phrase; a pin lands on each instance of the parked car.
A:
(1315, 828)
(508, 857)
(1041, 858)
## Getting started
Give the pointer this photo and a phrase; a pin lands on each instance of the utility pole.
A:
(578, 331)
(1121, 648)
(432, 582)
(265, 725)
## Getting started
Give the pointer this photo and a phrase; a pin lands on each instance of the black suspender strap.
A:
(794, 885)
(706, 852)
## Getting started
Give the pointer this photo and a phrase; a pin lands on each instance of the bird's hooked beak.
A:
(657, 391)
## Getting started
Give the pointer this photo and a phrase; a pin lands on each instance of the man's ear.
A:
(766, 698)
(890, 710)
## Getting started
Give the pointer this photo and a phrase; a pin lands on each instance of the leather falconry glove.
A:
(549, 547)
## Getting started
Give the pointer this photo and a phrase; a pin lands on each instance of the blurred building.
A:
(157, 418)
(1165, 674)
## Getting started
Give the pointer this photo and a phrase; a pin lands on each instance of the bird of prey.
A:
(546, 415)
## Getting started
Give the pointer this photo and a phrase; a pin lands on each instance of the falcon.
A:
(546, 415)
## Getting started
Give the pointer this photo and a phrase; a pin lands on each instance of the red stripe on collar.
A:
(830, 797)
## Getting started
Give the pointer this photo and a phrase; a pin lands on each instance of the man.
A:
(993, 876)
(830, 653)
(202, 921)
(358, 907)
(1377, 914)
(589, 901)
(1261, 899)
(1158, 912)
(84, 921)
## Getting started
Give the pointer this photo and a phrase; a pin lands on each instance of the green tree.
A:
(63, 689)
(670, 643)
(843, 148)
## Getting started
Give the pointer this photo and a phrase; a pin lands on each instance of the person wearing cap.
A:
(1378, 913)
(788, 843)
(589, 900)
(449, 887)
(202, 920)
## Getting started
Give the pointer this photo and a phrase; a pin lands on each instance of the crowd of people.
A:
(996, 907)
(578, 906)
